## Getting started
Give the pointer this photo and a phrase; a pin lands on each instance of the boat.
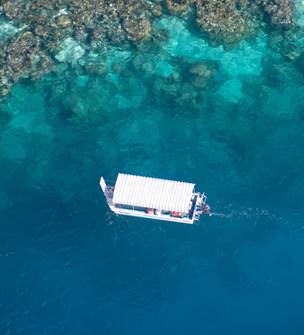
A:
(154, 198)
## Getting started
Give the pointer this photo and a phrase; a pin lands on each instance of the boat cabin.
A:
(154, 198)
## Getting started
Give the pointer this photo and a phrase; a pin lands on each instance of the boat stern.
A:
(201, 206)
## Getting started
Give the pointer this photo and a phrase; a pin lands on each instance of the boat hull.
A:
(194, 213)
(138, 214)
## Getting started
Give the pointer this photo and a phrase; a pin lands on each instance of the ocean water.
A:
(69, 266)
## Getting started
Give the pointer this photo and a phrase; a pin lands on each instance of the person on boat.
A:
(175, 214)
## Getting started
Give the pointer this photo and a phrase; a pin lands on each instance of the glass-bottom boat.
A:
(154, 198)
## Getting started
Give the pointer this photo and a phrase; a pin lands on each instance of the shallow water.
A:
(70, 267)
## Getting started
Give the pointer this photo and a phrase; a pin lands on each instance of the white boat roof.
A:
(155, 193)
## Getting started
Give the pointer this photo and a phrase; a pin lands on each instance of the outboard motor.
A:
(206, 209)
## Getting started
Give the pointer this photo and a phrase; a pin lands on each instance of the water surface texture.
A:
(236, 129)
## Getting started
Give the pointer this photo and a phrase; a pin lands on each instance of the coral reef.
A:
(280, 12)
(177, 6)
(70, 51)
(25, 58)
(38, 34)
(4, 84)
(200, 74)
(62, 31)
(222, 20)
(137, 28)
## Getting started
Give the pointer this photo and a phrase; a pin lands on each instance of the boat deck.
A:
(144, 215)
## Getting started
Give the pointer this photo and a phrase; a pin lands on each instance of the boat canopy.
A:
(153, 193)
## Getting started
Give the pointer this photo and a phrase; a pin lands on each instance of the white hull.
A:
(156, 215)
(150, 216)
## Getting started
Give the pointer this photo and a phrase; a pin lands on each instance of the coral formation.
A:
(222, 20)
(177, 6)
(70, 51)
(280, 12)
(4, 84)
(137, 28)
(25, 58)
(200, 74)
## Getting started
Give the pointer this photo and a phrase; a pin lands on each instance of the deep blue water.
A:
(69, 266)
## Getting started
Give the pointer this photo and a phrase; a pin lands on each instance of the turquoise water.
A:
(68, 266)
